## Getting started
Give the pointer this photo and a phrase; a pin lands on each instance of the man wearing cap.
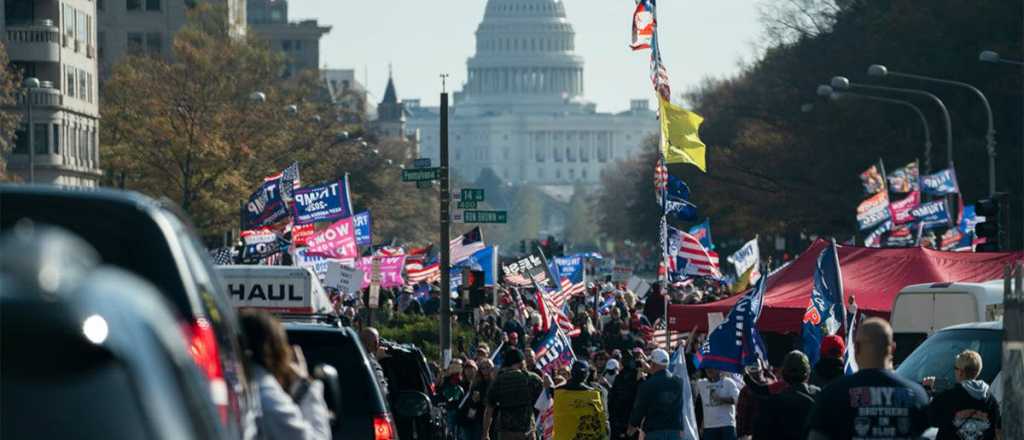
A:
(512, 394)
(719, 394)
(830, 366)
(659, 402)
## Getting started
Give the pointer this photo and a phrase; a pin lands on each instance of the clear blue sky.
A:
(423, 38)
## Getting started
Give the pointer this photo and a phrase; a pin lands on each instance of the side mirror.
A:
(411, 404)
(332, 388)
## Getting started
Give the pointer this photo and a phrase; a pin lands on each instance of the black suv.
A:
(353, 395)
(408, 373)
(92, 353)
(150, 240)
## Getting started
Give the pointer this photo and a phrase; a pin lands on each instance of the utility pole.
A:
(1013, 350)
(446, 293)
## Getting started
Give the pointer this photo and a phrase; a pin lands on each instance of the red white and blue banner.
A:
(702, 232)
(735, 342)
(484, 260)
(327, 202)
(553, 350)
(874, 210)
(900, 209)
(644, 25)
(260, 244)
(465, 245)
(826, 311)
(570, 267)
(874, 239)
(364, 227)
(940, 183)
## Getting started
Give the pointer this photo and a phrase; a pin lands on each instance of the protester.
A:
(371, 342)
(756, 382)
(471, 411)
(621, 398)
(292, 404)
(968, 410)
(659, 402)
(579, 410)
(784, 415)
(450, 392)
(873, 403)
(719, 394)
(830, 366)
(512, 396)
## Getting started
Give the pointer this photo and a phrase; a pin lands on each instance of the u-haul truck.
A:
(276, 289)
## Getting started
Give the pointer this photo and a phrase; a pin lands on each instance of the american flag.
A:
(659, 74)
(699, 260)
(465, 245)
(223, 256)
(660, 177)
(290, 174)
(569, 289)
(422, 265)
(644, 25)
(665, 339)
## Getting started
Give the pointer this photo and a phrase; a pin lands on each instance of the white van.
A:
(276, 289)
(920, 310)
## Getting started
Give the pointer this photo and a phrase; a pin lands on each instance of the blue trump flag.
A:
(321, 203)
(676, 201)
(940, 183)
(736, 341)
(266, 206)
(703, 233)
(826, 313)
(570, 267)
(364, 226)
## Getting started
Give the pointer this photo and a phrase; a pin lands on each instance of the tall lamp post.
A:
(826, 91)
(990, 136)
(30, 84)
(843, 83)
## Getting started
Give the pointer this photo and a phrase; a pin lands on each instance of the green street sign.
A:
(467, 205)
(424, 184)
(472, 194)
(485, 216)
(421, 174)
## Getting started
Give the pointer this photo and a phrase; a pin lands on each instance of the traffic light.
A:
(991, 229)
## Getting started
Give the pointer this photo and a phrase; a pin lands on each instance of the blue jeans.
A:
(663, 435)
(723, 433)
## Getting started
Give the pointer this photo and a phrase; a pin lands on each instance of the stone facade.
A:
(55, 42)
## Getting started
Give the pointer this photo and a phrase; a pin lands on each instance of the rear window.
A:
(335, 348)
(124, 235)
(67, 404)
(936, 355)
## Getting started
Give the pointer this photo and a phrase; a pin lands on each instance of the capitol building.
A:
(522, 111)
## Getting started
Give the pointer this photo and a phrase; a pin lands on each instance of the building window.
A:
(298, 45)
(602, 154)
(70, 81)
(152, 5)
(83, 86)
(20, 141)
(557, 154)
(558, 173)
(584, 154)
(135, 41)
(69, 23)
(133, 5)
(56, 138)
(539, 153)
(154, 43)
(81, 20)
(286, 45)
(41, 138)
(570, 154)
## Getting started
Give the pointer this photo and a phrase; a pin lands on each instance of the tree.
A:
(526, 214)
(625, 205)
(10, 86)
(581, 227)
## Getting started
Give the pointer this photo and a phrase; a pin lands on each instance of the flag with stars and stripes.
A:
(223, 256)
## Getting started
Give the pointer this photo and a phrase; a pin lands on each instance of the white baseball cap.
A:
(660, 357)
(611, 366)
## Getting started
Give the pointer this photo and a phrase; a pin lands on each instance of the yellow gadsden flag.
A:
(679, 140)
(579, 415)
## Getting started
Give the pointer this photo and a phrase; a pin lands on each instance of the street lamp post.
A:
(990, 136)
(30, 84)
(843, 83)
(826, 91)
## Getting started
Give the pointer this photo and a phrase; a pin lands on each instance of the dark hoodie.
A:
(966, 411)
(827, 370)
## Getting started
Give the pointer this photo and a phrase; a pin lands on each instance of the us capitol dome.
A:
(522, 112)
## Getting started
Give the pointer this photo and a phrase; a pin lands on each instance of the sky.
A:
(424, 38)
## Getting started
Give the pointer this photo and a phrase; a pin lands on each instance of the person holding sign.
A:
(579, 409)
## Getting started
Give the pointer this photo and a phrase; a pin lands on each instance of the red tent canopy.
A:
(873, 276)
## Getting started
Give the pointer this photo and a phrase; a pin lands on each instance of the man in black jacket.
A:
(784, 415)
(968, 410)
(659, 402)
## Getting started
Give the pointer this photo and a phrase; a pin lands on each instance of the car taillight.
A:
(433, 389)
(382, 427)
(205, 352)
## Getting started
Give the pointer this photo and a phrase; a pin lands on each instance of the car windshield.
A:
(936, 355)
(339, 351)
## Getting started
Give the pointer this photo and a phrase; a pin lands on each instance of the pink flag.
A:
(337, 241)
(900, 209)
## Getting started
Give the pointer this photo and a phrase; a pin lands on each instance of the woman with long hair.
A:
(293, 404)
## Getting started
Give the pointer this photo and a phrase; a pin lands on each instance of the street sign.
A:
(485, 216)
(467, 205)
(424, 184)
(423, 162)
(472, 194)
(457, 217)
(421, 174)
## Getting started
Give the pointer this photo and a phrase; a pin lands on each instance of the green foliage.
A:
(10, 85)
(423, 331)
